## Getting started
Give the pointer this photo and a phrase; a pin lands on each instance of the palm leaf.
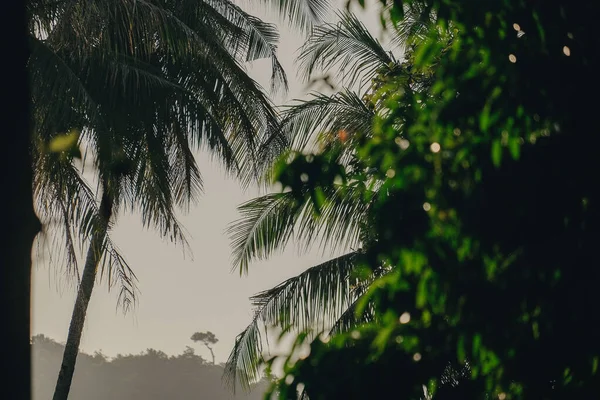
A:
(316, 297)
(251, 109)
(65, 201)
(414, 26)
(260, 40)
(349, 319)
(346, 46)
(244, 361)
(269, 222)
(147, 81)
(303, 14)
(51, 76)
(342, 111)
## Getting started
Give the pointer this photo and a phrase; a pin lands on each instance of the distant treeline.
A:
(151, 375)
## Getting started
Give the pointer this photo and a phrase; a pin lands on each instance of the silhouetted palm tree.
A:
(323, 298)
(145, 83)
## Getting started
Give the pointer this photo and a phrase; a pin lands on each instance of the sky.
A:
(180, 295)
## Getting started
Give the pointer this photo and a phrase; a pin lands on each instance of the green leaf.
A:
(413, 261)
(540, 27)
(497, 152)
(422, 293)
(536, 330)
(476, 343)
(460, 349)
(396, 14)
(491, 362)
(515, 148)
(319, 199)
(382, 338)
(64, 142)
(484, 117)
(427, 52)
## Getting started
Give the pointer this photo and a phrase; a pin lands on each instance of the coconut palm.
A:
(145, 83)
(325, 295)
(320, 295)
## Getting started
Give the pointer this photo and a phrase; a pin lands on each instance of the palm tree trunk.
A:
(88, 278)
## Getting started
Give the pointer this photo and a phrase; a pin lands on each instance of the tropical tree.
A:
(323, 297)
(208, 339)
(489, 218)
(141, 85)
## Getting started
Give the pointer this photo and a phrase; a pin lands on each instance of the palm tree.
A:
(324, 296)
(145, 82)
(269, 222)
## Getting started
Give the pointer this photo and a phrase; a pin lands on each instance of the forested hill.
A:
(151, 375)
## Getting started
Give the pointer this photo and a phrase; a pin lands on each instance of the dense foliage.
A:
(487, 215)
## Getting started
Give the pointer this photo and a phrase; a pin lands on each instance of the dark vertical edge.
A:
(19, 223)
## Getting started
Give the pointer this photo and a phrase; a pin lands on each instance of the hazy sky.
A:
(180, 296)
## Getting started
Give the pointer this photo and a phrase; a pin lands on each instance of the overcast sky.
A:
(179, 296)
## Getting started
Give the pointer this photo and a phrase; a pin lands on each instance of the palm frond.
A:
(268, 222)
(65, 201)
(51, 76)
(259, 40)
(348, 320)
(414, 26)
(118, 271)
(148, 82)
(185, 47)
(43, 14)
(342, 111)
(315, 299)
(302, 14)
(245, 113)
(245, 358)
(185, 178)
(153, 186)
(347, 47)
(262, 43)
(312, 300)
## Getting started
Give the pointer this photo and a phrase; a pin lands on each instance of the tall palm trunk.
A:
(88, 278)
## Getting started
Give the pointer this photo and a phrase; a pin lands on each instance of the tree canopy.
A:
(488, 214)
(142, 84)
